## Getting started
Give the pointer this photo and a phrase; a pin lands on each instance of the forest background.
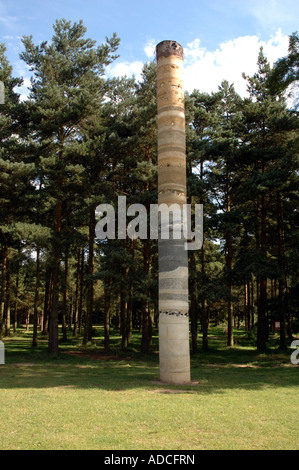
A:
(81, 139)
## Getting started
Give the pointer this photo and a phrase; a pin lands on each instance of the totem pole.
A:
(174, 349)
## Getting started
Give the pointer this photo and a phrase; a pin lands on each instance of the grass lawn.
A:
(88, 400)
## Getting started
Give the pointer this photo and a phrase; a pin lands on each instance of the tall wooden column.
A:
(174, 349)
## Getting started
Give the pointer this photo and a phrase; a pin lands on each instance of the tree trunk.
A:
(36, 293)
(53, 318)
(204, 324)
(204, 316)
(107, 310)
(123, 315)
(56, 247)
(229, 258)
(146, 327)
(47, 302)
(252, 307)
(70, 314)
(3, 286)
(262, 301)
(7, 301)
(193, 302)
(88, 322)
(145, 310)
(249, 307)
(27, 320)
(281, 260)
(65, 296)
(76, 307)
(130, 311)
(80, 312)
(15, 309)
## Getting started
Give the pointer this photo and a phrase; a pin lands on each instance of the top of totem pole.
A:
(168, 48)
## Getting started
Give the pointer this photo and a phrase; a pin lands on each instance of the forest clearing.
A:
(89, 399)
(129, 341)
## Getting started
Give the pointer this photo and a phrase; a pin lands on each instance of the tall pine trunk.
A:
(7, 301)
(203, 316)
(56, 247)
(80, 307)
(262, 301)
(107, 310)
(76, 306)
(193, 302)
(123, 313)
(282, 279)
(229, 257)
(47, 302)
(27, 320)
(3, 286)
(146, 319)
(65, 296)
(247, 306)
(90, 288)
(36, 293)
(16, 304)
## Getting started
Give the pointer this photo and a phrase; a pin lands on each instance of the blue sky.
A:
(221, 38)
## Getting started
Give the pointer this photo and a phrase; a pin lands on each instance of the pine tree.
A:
(16, 175)
(217, 121)
(286, 70)
(145, 124)
(225, 144)
(200, 119)
(269, 153)
(67, 88)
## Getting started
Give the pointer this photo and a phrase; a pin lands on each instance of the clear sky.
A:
(221, 38)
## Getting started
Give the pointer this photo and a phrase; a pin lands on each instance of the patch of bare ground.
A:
(170, 391)
(24, 364)
(98, 355)
(248, 366)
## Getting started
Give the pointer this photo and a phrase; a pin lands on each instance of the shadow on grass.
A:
(216, 370)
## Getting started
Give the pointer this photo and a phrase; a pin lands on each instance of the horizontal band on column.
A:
(170, 111)
(171, 148)
(167, 191)
(177, 314)
(167, 165)
(173, 107)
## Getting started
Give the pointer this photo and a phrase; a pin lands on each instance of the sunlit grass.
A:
(243, 400)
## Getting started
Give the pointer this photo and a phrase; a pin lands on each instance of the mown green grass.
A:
(88, 400)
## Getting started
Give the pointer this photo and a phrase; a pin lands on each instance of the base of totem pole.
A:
(161, 382)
